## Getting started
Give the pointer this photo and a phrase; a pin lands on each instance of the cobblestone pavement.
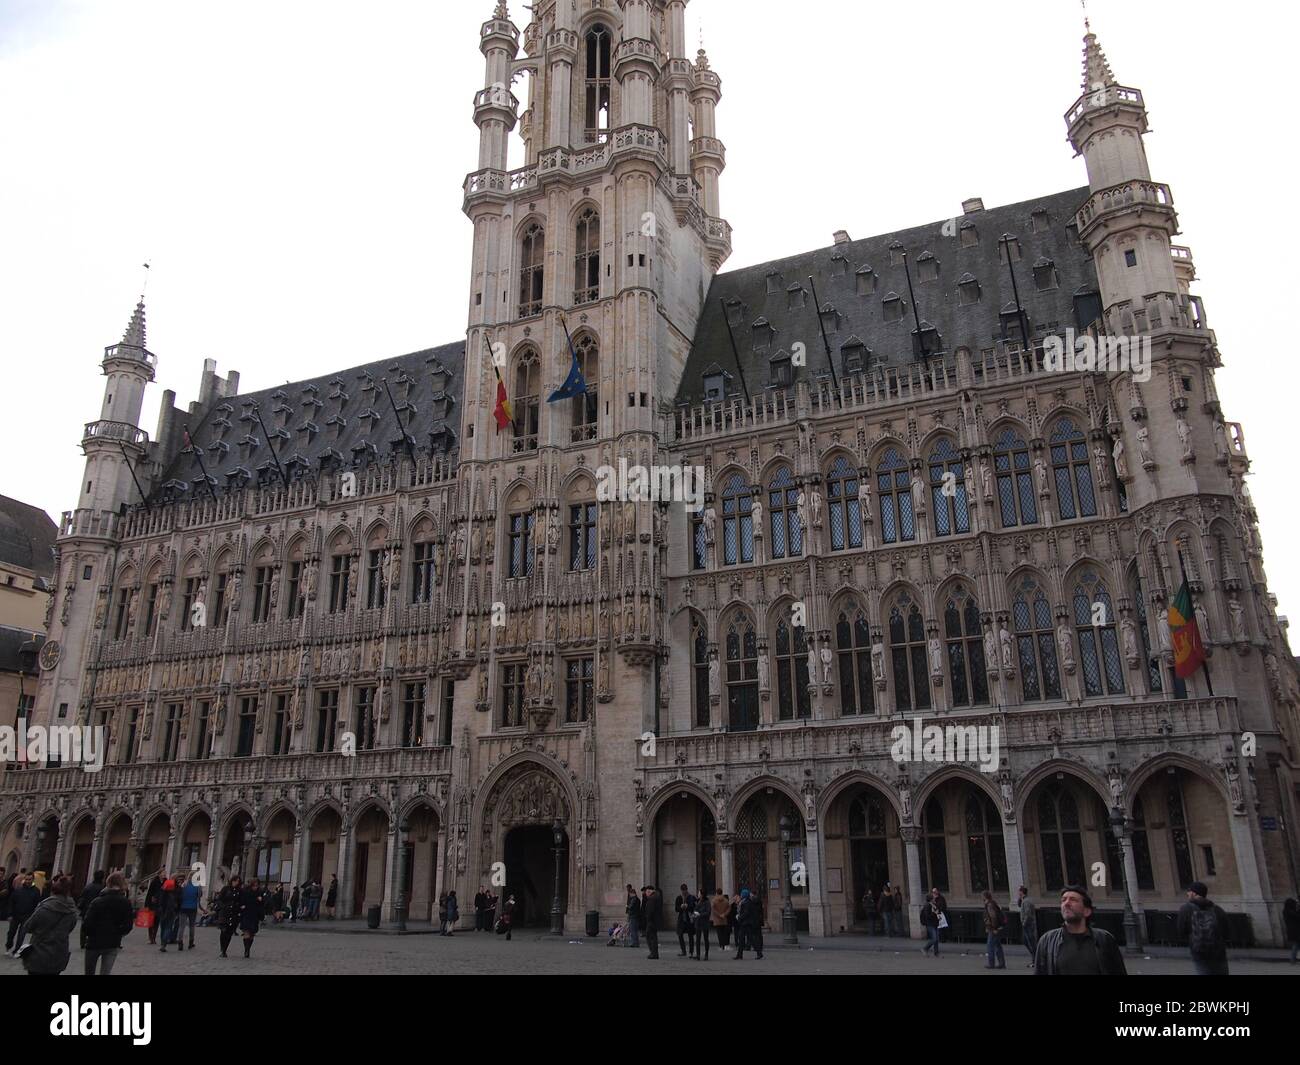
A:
(289, 951)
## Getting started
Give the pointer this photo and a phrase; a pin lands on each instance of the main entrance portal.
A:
(530, 874)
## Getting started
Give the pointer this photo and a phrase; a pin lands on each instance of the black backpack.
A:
(1205, 936)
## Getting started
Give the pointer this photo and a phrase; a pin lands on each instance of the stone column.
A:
(1248, 866)
(440, 869)
(96, 845)
(300, 851)
(210, 874)
(1013, 844)
(1131, 879)
(817, 908)
(347, 839)
(392, 870)
(916, 890)
(59, 848)
(727, 862)
(169, 852)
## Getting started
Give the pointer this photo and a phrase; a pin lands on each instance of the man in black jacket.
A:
(106, 919)
(22, 905)
(684, 907)
(1204, 927)
(633, 911)
(1075, 949)
(480, 908)
(88, 895)
(153, 897)
(652, 909)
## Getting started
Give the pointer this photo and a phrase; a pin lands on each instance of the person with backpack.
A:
(1205, 928)
(994, 922)
(49, 927)
(88, 895)
(107, 919)
(169, 913)
(22, 904)
(191, 894)
(749, 918)
(1075, 949)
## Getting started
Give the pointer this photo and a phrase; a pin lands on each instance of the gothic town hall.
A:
(358, 627)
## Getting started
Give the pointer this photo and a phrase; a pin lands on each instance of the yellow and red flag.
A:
(502, 412)
(1189, 651)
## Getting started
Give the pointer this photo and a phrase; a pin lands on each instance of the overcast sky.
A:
(293, 173)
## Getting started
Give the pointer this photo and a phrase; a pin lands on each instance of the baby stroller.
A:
(617, 935)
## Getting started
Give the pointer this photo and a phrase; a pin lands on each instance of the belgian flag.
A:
(502, 412)
(1189, 651)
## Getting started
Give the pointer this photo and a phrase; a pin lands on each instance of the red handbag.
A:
(144, 918)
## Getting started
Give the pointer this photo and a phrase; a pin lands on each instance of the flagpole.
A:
(1205, 662)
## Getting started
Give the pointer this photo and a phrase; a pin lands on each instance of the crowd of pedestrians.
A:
(736, 919)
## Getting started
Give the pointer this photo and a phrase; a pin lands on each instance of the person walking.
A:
(930, 914)
(153, 903)
(684, 908)
(295, 901)
(749, 920)
(480, 909)
(869, 911)
(736, 933)
(453, 914)
(493, 901)
(49, 926)
(1028, 923)
(703, 912)
(1204, 927)
(1076, 949)
(107, 919)
(994, 922)
(332, 896)
(719, 914)
(1291, 926)
(508, 916)
(22, 905)
(250, 914)
(652, 912)
(228, 901)
(633, 910)
(88, 895)
(169, 907)
(900, 924)
(187, 916)
(886, 907)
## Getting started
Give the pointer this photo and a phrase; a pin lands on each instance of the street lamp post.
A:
(557, 914)
(787, 904)
(1131, 944)
(403, 826)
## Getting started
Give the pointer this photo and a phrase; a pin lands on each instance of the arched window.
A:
(1155, 682)
(895, 484)
(585, 407)
(791, 671)
(907, 642)
(737, 522)
(782, 497)
(1060, 840)
(751, 847)
(597, 67)
(1072, 472)
(586, 263)
(948, 491)
(985, 846)
(843, 505)
(1036, 642)
(524, 401)
(869, 848)
(742, 675)
(1094, 620)
(519, 560)
(934, 847)
(853, 644)
(1015, 480)
(700, 673)
(582, 536)
(966, 665)
(423, 562)
(532, 259)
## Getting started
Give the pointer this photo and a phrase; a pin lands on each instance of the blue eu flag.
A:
(575, 384)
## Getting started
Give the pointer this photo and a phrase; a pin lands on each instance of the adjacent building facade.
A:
(359, 628)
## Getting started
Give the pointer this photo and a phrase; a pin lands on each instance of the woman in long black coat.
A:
(250, 913)
(228, 911)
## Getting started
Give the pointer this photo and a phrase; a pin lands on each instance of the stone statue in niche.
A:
(1121, 459)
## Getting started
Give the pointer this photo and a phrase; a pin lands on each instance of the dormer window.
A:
(1039, 220)
(970, 235)
(763, 334)
(714, 387)
(866, 281)
(1087, 308)
(337, 423)
(781, 375)
(370, 416)
(968, 289)
(926, 341)
(897, 253)
(248, 445)
(927, 267)
(238, 477)
(796, 297)
(735, 312)
(1012, 321)
(330, 459)
(1009, 246)
(220, 426)
(775, 282)
(892, 307)
(839, 265)
(855, 356)
(219, 447)
(309, 391)
(1044, 274)
(365, 453)
(284, 412)
(310, 428)
(367, 381)
(439, 376)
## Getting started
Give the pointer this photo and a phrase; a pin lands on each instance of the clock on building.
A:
(50, 654)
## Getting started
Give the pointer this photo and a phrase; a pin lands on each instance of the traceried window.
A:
(327, 712)
(597, 104)
(791, 671)
(262, 578)
(699, 542)
(532, 259)
(934, 847)
(189, 597)
(582, 536)
(700, 673)
(737, 522)
(907, 644)
(524, 403)
(422, 572)
(1036, 643)
(364, 720)
(1060, 841)
(1015, 480)
(585, 407)
(742, 675)
(246, 726)
(843, 506)
(220, 601)
(985, 846)
(151, 608)
(948, 490)
(966, 665)
(782, 500)
(578, 697)
(413, 697)
(512, 695)
(293, 591)
(894, 483)
(1072, 472)
(340, 576)
(586, 264)
(520, 561)
(853, 646)
(171, 732)
(281, 725)
(376, 590)
(123, 613)
(1094, 619)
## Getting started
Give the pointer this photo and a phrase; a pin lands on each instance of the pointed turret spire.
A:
(134, 335)
(1096, 69)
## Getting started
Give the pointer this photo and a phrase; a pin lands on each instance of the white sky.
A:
(293, 172)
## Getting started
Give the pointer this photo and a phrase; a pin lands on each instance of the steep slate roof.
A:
(973, 325)
(11, 640)
(27, 537)
(335, 412)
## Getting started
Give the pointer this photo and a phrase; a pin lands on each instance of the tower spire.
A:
(1096, 68)
(134, 335)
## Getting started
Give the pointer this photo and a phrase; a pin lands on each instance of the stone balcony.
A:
(1127, 196)
(1106, 96)
(114, 432)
